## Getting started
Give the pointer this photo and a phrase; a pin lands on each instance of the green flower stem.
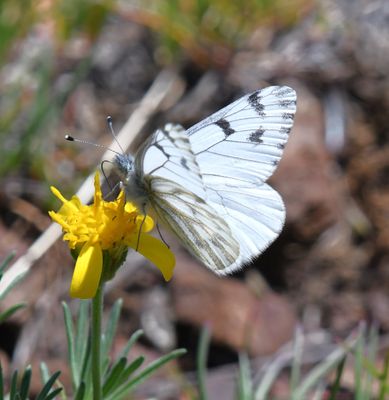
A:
(97, 311)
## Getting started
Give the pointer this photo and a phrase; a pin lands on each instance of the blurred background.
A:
(66, 65)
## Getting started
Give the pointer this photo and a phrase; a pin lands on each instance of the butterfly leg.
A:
(141, 225)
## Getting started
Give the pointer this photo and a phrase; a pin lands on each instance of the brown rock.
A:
(237, 317)
(305, 175)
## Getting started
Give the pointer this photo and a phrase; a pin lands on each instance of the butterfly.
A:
(208, 183)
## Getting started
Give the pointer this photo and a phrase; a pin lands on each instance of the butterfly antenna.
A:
(110, 126)
(73, 139)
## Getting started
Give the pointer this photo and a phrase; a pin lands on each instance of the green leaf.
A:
(133, 339)
(202, 357)
(47, 387)
(12, 310)
(70, 338)
(86, 361)
(5, 263)
(131, 368)
(12, 284)
(45, 373)
(369, 364)
(336, 385)
(146, 373)
(111, 327)
(319, 371)
(80, 344)
(53, 394)
(114, 375)
(80, 391)
(245, 386)
(25, 383)
(12, 392)
(1, 383)
(298, 347)
(383, 389)
(359, 360)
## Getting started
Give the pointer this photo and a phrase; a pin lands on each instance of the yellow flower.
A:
(99, 236)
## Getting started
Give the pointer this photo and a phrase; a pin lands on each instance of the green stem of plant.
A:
(97, 311)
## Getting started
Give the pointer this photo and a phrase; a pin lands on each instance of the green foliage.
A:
(11, 310)
(120, 376)
(31, 98)
(207, 30)
(202, 357)
(361, 350)
(20, 388)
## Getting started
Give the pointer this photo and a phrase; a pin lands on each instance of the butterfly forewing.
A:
(247, 137)
(168, 155)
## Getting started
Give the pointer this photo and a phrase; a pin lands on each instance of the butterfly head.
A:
(131, 182)
(124, 164)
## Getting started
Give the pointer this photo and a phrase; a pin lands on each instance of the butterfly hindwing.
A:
(202, 231)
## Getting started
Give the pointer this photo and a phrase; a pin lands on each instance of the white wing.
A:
(167, 154)
(237, 149)
(176, 193)
(196, 224)
(246, 139)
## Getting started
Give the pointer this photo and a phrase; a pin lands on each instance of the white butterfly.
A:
(207, 184)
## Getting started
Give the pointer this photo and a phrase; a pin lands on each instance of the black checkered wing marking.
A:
(246, 138)
(168, 155)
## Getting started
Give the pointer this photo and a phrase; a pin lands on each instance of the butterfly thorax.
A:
(132, 182)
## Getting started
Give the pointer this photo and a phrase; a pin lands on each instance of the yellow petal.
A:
(146, 221)
(129, 207)
(87, 272)
(157, 252)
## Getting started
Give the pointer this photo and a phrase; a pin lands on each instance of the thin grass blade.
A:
(336, 386)
(69, 328)
(80, 344)
(48, 386)
(112, 324)
(80, 392)
(5, 262)
(12, 284)
(146, 373)
(12, 310)
(319, 371)
(245, 385)
(202, 358)
(45, 373)
(12, 391)
(53, 394)
(1, 383)
(25, 383)
(133, 339)
(130, 369)
(114, 375)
